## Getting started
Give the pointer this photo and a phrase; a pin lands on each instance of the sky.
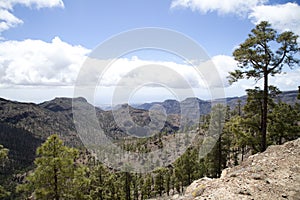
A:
(44, 46)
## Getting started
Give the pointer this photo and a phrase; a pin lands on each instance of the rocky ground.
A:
(273, 174)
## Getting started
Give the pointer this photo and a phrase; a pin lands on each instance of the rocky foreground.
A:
(273, 174)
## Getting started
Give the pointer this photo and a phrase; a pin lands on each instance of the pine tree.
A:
(105, 184)
(135, 186)
(159, 180)
(57, 175)
(167, 178)
(3, 158)
(257, 59)
(99, 174)
(127, 179)
(3, 155)
(216, 157)
(147, 186)
(113, 187)
(283, 124)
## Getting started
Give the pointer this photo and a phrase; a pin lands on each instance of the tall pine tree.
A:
(264, 54)
(57, 175)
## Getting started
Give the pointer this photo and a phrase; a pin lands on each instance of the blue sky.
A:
(44, 42)
(88, 23)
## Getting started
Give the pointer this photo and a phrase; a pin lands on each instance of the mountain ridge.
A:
(289, 97)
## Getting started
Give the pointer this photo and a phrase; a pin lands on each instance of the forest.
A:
(63, 172)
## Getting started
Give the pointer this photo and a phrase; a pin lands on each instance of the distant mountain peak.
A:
(61, 103)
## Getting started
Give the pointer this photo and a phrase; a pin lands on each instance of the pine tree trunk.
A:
(243, 152)
(265, 113)
(56, 197)
(219, 157)
(127, 185)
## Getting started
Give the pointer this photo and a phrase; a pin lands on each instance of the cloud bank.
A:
(35, 62)
(283, 17)
(57, 63)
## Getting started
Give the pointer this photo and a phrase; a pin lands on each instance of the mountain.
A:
(173, 106)
(56, 116)
(289, 97)
(273, 174)
(40, 120)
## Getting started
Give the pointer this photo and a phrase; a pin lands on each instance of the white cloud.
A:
(216, 70)
(282, 16)
(239, 7)
(35, 62)
(9, 20)
(287, 81)
(134, 72)
(57, 63)
(224, 65)
(130, 75)
(159, 79)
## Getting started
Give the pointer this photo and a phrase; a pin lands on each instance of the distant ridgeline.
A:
(173, 106)
(55, 116)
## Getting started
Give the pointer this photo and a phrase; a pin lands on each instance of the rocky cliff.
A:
(273, 174)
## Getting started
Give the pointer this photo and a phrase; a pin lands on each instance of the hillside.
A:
(55, 116)
(38, 120)
(35, 122)
(273, 174)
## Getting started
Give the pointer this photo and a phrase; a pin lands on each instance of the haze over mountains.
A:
(172, 106)
(55, 116)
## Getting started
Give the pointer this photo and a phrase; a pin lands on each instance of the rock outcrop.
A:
(273, 174)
